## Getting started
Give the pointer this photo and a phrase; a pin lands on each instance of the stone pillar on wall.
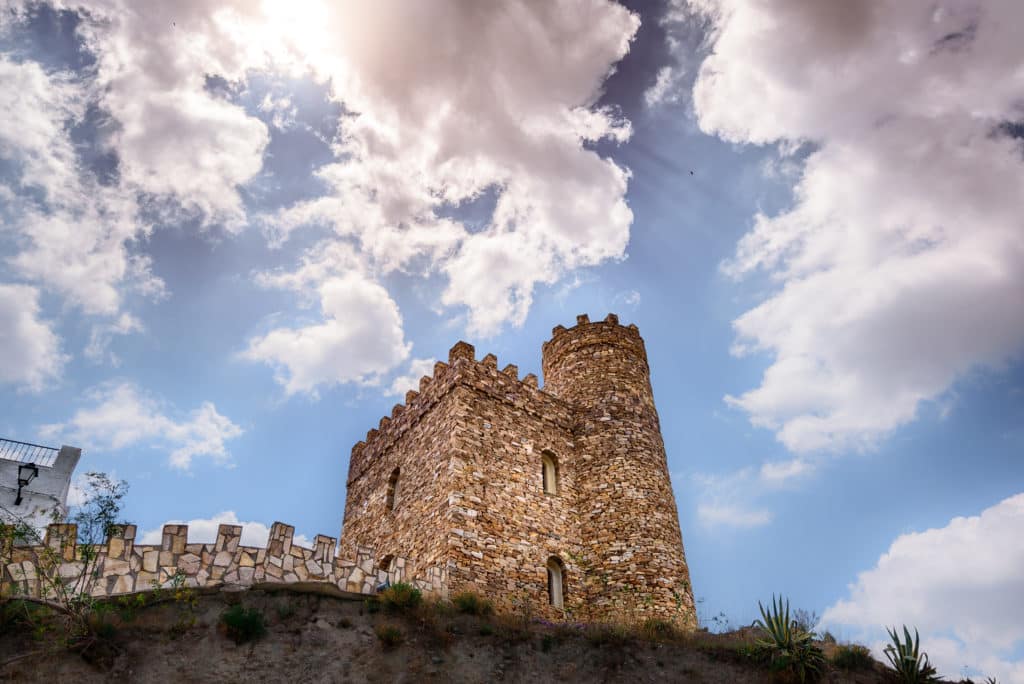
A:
(279, 547)
(228, 537)
(120, 542)
(323, 550)
(117, 561)
(173, 541)
(62, 539)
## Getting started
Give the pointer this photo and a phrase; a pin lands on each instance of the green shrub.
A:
(472, 604)
(853, 657)
(512, 629)
(389, 635)
(442, 608)
(609, 634)
(805, 660)
(243, 624)
(656, 629)
(788, 647)
(908, 661)
(783, 633)
(20, 617)
(401, 597)
(486, 629)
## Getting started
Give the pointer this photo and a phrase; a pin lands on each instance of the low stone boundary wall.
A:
(122, 566)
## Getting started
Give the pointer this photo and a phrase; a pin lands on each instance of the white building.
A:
(34, 481)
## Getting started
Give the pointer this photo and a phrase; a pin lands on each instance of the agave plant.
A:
(790, 646)
(910, 663)
(783, 632)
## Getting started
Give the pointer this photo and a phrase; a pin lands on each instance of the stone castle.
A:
(558, 498)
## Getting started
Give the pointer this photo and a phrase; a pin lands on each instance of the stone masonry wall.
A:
(627, 511)
(505, 527)
(471, 495)
(124, 566)
(421, 449)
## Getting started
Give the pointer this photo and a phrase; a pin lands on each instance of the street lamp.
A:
(26, 473)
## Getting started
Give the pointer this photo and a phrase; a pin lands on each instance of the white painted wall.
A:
(46, 493)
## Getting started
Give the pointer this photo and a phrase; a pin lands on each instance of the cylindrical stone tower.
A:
(629, 528)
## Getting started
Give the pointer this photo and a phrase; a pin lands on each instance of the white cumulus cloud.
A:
(961, 585)
(732, 515)
(665, 89)
(359, 339)
(31, 351)
(102, 334)
(75, 236)
(900, 266)
(435, 128)
(730, 500)
(442, 107)
(204, 531)
(121, 415)
(175, 136)
(410, 380)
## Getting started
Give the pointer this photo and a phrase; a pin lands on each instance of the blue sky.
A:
(234, 233)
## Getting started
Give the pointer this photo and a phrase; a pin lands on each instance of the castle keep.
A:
(558, 498)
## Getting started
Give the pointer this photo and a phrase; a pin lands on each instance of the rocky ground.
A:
(332, 638)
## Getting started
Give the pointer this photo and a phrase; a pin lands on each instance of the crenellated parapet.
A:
(123, 566)
(403, 417)
(462, 369)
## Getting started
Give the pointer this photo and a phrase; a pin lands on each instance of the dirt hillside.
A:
(321, 638)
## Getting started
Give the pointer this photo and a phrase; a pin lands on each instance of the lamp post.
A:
(26, 473)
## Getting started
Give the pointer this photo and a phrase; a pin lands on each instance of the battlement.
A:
(585, 333)
(583, 320)
(462, 368)
(594, 359)
(122, 566)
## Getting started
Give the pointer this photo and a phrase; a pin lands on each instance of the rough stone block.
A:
(144, 580)
(189, 563)
(150, 559)
(461, 350)
(123, 584)
(114, 566)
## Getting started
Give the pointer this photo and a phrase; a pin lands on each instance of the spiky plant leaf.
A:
(908, 661)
